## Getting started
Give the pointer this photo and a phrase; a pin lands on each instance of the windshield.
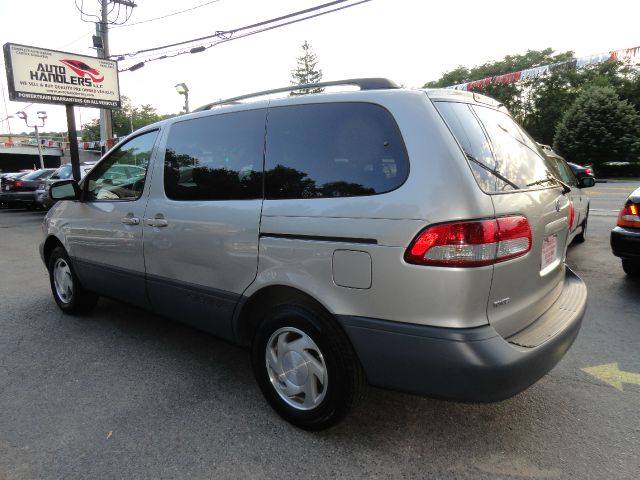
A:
(63, 172)
(38, 174)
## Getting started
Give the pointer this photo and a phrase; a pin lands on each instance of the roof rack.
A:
(363, 83)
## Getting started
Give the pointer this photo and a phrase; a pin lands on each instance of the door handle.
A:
(130, 220)
(156, 222)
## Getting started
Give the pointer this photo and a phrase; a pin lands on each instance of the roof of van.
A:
(368, 85)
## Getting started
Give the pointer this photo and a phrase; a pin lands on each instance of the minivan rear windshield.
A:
(500, 153)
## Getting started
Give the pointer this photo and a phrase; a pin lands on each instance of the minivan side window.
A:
(333, 150)
(122, 174)
(218, 157)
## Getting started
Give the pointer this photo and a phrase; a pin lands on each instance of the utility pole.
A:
(102, 31)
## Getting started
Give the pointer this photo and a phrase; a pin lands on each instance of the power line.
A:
(129, 5)
(227, 34)
(76, 40)
(202, 47)
(166, 16)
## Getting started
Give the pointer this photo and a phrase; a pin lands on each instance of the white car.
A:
(43, 200)
(579, 213)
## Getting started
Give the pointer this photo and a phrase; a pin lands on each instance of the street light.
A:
(42, 116)
(182, 89)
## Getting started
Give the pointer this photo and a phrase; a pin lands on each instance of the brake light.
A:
(587, 171)
(629, 216)
(18, 184)
(471, 244)
(572, 215)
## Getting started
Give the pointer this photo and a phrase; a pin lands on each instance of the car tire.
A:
(67, 290)
(306, 366)
(582, 236)
(631, 267)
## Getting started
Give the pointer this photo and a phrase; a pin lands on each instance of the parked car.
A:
(625, 237)
(7, 175)
(411, 239)
(579, 207)
(4, 175)
(21, 192)
(42, 197)
(8, 185)
(581, 172)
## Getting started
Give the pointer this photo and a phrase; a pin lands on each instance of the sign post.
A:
(73, 142)
(49, 76)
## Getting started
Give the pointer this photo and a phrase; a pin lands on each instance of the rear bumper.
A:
(625, 242)
(474, 364)
(22, 197)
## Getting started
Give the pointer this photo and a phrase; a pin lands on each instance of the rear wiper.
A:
(565, 188)
(494, 172)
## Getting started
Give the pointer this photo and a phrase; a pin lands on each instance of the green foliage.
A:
(599, 128)
(540, 103)
(306, 71)
(550, 96)
(512, 95)
(124, 120)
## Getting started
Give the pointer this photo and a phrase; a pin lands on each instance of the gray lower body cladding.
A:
(474, 364)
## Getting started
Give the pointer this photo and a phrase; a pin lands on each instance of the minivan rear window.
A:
(333, 150)
(500, 153)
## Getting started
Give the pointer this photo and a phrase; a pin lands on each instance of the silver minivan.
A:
(409, 239)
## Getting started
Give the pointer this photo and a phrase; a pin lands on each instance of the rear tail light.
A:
(18, 184)
(471, 244)
(629, 216)
(587, 171)
(572, 215)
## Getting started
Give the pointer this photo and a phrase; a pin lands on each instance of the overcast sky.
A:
(408, 41)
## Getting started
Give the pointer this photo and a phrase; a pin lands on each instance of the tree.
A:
(124, 120)
(539, 103)
(306, 72)
(599, 127)
(511, 95)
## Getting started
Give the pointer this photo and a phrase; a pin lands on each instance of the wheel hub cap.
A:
(62, 280)
(296, 368)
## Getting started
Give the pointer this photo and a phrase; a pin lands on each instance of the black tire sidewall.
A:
(315, 326)
(631, 268)
(76, 305)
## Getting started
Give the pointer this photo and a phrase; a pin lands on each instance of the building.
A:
(21, 153)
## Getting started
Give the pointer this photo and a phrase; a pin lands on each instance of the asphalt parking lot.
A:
(122, 393)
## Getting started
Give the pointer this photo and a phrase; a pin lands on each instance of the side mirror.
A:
(65, 190)
(586, 182)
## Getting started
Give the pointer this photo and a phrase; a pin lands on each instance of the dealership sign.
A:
(48, 76)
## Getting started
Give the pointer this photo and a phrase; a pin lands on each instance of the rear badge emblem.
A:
(499, 303)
